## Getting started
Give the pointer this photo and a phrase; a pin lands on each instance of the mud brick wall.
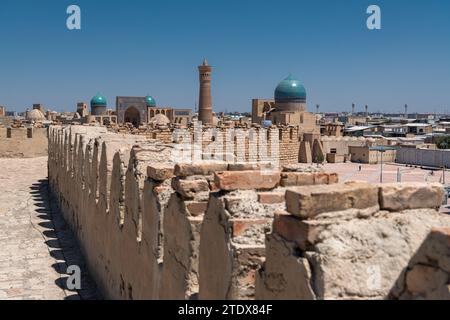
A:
(151, 228)
(245, 144)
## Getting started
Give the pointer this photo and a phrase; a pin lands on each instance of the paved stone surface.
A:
(36, 246)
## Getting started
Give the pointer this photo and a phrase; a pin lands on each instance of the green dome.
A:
(98, 100)
(290, 89)
(150, 101)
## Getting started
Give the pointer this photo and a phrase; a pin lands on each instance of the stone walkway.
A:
(36, 246)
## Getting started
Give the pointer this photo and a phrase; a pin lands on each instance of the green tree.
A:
(443, 142)
(320, 158)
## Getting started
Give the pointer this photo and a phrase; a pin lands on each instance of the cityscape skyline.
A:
(154, 48)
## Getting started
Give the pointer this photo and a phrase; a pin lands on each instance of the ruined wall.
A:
(151, 228)
(427, 274)
(23, 142)
(357, 241)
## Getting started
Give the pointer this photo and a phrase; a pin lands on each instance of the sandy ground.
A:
(36, 245)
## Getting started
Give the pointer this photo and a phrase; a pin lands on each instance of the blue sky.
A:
(140, 47)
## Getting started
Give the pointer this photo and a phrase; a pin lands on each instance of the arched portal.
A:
(133, 116)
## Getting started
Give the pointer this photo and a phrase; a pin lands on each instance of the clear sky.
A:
(139, 47)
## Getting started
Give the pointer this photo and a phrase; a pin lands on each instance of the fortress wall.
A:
(23, 142)
(150, 228)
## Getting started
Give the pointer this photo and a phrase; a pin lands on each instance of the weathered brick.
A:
(310, 201)
(241, 225)
(271, 197)
(248, 166)
(321, 178)
(196, 208)
(188, 188)
(295, 229)
(403, 196)
(199, 169)
(290, 179)
(246, 180)
(160, 172)
(333, 178)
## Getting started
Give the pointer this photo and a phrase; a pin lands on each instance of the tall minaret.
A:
(406, 111)
(205, 114)
(353, 109)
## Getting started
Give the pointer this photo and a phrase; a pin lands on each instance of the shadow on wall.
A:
(428, 273)
(61, 243)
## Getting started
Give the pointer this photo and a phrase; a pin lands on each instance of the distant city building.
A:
(205, 113)
(98, 105)
(144, 110)
(260, 109)
(82, 109)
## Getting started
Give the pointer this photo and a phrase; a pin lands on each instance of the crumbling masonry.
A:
(152, 228)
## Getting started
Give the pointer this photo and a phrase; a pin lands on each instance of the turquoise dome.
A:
(290, 89)
(98, 100)
(150, 101)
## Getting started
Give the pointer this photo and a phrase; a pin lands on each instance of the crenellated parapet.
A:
(152, 226)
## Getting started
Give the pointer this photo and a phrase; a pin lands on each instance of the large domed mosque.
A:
(289, 106)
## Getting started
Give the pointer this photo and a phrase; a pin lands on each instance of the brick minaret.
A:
(205, 114)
